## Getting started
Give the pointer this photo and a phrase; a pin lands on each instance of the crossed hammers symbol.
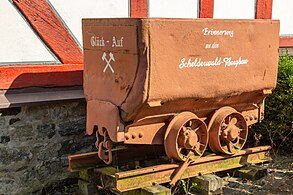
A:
(108, 61)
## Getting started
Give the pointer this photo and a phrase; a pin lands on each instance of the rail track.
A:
(136, 172)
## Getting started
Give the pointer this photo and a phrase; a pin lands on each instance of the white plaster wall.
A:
(283, 10)
(234, 9)
(72, 11)
(18, 42)
(173, 8)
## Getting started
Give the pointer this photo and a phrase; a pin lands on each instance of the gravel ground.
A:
(279, 179)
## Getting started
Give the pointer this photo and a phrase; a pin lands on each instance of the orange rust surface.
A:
(149, 67)
(254, 42)
(112, 78)
(161, 68)
(104, 114)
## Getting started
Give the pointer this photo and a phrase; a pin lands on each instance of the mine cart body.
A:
(141, 73)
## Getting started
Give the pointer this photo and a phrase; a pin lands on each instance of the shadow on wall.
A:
(36, 88)
(45, 79)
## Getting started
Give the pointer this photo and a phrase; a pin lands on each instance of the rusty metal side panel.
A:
(205, 107)
(110, 58)
(139, 92)
(161, 61)
(208, 58)
(102, 114)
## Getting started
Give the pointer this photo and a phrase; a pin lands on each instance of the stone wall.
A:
(35, 142)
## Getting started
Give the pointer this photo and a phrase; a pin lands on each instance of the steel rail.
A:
(143, 177)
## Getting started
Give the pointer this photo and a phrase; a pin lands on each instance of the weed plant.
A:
(277, 127)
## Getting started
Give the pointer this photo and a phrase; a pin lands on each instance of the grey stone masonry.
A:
(35, 142)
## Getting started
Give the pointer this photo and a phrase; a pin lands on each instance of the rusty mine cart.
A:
(183, 85)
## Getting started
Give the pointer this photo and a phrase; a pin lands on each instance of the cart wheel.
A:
(227, 131)
(186, 137)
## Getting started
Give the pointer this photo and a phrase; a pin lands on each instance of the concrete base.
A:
(208, 184)
(151, 190)
(251, 172)
(156, 190)
(86, 188)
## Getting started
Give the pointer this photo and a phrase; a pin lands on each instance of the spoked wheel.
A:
(186, 137)
(227, 131)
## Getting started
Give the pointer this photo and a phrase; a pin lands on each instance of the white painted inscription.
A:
(208, 45)
(218, 61)
(212, 46)
(230, 62)
(214, 32)
(215, 45)
(111, 58)
(97, 41)
(117, 42)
